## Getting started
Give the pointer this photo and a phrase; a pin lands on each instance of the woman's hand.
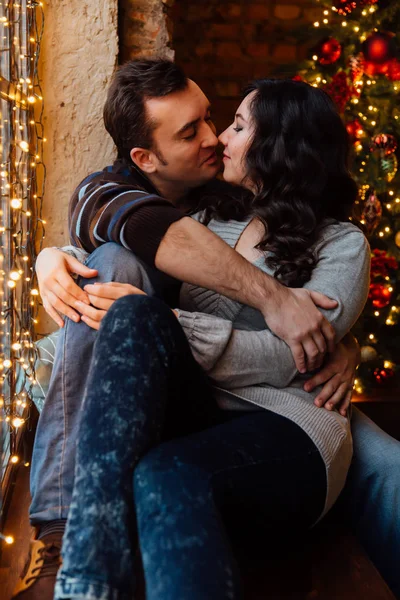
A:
(102, 296)
(57, 288)
(338, 376)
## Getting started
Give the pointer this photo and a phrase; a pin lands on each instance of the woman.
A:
(259, 453)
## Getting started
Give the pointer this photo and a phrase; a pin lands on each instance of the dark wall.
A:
(223, 44)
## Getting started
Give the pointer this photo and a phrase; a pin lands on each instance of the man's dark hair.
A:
(124, 111)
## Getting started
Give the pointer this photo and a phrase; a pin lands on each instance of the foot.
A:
(38, 577)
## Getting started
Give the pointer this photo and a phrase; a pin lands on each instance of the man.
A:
(160, 123)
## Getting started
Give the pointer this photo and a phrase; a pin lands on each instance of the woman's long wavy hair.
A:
(297, 163)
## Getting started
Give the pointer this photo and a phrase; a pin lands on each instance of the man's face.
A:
(184, 138)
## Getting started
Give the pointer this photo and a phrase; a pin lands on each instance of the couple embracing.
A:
(196, 410)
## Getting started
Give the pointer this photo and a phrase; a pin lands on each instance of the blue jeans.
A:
(371, 498)
(255, 469)
(53, 460)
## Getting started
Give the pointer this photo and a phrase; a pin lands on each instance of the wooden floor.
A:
(12, 558)
(331, 565)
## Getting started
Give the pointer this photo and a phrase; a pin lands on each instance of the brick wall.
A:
(222, 44)
(144, 29)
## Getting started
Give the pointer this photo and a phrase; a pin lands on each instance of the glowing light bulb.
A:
(16, 203)
(24, 146)
(16, 346)
(14, 459)
(17, 422)
(15, 276)
(34, 292)
(9, 539)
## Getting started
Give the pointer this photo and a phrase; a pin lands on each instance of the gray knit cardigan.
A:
(251, 368)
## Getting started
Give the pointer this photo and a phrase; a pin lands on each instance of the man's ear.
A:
(144, 159)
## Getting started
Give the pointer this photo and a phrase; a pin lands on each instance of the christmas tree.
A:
(355, 57)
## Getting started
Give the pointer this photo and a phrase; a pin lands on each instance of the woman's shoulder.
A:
(341, 233)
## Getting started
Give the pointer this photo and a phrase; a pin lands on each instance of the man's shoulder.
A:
(114, 176)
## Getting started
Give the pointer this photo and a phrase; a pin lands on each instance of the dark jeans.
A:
(152, 440)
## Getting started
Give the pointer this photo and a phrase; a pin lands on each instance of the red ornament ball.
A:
(372, 68)
(379, 48)
(379, 294)
(394, 70)
(354, 129)
(384, 141)
(383, 375)
(371, 212)
(328, 51)
(344, 7)
(339, 90)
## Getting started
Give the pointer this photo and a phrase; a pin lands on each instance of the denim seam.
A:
(74, 588)
(63, 393)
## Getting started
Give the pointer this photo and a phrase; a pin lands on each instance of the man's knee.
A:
(115, 263)
(169, 467)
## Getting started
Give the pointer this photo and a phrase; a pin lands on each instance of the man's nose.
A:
(210, 139)
(223, 137)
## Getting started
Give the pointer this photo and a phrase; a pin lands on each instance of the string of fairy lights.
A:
(22, 178)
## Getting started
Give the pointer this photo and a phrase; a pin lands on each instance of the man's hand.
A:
(57, 288)
(338, 376)
(102, 296)
(294, 317)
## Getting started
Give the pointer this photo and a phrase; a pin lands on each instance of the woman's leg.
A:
(260, 469)
(371, 497)
(141, 361)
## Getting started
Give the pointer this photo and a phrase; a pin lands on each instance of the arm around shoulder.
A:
(342, 273)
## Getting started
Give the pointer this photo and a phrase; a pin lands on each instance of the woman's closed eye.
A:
(237, 129)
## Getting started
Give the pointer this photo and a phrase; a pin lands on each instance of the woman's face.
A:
(236, 140)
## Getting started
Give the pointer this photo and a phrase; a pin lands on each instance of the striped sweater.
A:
(120, 205)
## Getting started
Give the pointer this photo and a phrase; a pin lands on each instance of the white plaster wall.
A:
(78, 56)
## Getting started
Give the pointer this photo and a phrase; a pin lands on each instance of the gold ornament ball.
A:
(397, 239)
(368, 353)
